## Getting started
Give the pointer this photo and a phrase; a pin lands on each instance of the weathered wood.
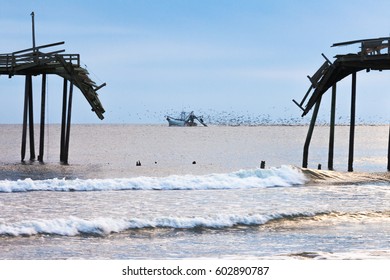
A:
(87, 89)
(303, 100)
(31, 119)
(342, 67)
(332, 128)
(310, 134)
(352, 124)
(368, 59)
(33, 30)
(101, 86)
(327, 59)
(33, 62)
(42, 128)
(28, 116)
(319, 74)
(39, 47)
(63, 121)
(359, 41)
(69, 117)
(388, 153)
(374, 46)
(25, 112)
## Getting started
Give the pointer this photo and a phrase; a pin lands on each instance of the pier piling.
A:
(42, 127)
(28, 116)
(352, 124)
(63, 121)
(388, 153)
(310, 134)
(332, 127)
(68, 120)
(31, 118)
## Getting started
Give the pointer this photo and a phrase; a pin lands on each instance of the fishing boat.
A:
(185, 119)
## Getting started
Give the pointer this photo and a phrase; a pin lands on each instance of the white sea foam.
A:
(72, 226)
(283, 176)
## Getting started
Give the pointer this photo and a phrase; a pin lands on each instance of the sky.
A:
(219, 58)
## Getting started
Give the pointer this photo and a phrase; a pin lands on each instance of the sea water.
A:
(199, 193)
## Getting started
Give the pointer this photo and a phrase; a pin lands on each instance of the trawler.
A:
(185, 119)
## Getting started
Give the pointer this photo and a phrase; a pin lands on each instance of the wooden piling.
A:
(63, 121)
(31, 118)
(28, 116)
(352, 123)
(42, 128)
(332, 126)
(69, 117)
(25, 112)
(310, 134)
(388, 153)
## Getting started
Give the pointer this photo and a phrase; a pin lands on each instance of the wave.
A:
(344, 178)
(350, 255)
(283, 176)
(73, 226)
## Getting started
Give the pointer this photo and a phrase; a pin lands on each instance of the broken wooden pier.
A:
(40, 60)
(374, 54)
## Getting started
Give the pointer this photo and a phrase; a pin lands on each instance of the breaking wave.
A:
(283, 176)
(337, 178)
(73, 226)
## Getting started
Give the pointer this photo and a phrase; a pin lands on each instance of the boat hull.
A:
(176, 122)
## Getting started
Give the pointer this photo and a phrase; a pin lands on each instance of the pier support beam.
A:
(65, 124)
(28, 115)
(310, 134)
(332, 125)
(42, 128)
(69, 117)
(388, 153)
(62, 140)
(352, 123)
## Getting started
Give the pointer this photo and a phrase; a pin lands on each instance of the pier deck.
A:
(370, 57)
(34, 61)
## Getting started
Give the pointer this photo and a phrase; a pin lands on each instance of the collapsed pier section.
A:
(374, 54)
(38, 61)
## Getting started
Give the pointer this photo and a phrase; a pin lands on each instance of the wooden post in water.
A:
(62, 144)
(388, 153)
(25, 112)
(28, 115)
(42, 129)
(66, 151)
(31, 118)
(310, 133)
(352, 123)
(332, 124)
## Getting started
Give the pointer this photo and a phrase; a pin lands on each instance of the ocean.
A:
(199, 193)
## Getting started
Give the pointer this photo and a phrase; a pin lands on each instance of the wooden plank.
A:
(40, 47)
(358, 41)
(319, 74)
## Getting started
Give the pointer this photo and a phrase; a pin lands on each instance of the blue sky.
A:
(160, 57)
